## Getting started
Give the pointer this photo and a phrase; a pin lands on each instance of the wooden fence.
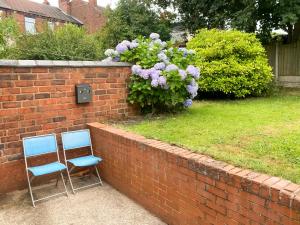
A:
(288, 63)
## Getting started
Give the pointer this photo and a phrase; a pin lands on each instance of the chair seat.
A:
(89, 160)
(47, 168)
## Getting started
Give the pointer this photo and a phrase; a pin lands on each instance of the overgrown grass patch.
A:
(262, 134)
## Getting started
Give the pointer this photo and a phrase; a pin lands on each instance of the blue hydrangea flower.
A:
(162, 81)
(125, 42)
(154, 36)
(160, 66)
(117, 59)
(183, 74)
(121, 48)
(184, 50)
(154, 74)
(145, 74)
(171, 67)
(133, 45)
(162, 56)
(164, 44)
(188, 103)
(192, 88)
(158, 41)
(194, 71)
(110, 52)
(136, 69)
(154, 83)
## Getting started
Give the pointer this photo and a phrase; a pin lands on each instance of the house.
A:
(32, 16)
(89, 13)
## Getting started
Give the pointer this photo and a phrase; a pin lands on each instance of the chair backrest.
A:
(39, 145)
(76, 139)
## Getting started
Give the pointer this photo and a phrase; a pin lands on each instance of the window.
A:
(30, 25)
(51, 25)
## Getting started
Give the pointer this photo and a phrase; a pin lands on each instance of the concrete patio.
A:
(93, 206)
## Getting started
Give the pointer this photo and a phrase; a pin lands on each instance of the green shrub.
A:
(68, 42)
(232, 62)
(9, 31)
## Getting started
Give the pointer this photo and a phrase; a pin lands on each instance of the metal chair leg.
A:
(98, 176)
(30, 190)
(63, 180)
(68, 172)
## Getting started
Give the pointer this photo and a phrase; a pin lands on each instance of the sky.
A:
(103, 3)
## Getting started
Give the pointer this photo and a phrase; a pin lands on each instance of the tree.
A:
(9, 31)
(259, 16)
(130, 19)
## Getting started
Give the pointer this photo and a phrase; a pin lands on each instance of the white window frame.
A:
(51, 25)
(30, 25)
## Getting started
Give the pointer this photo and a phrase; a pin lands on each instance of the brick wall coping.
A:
(60, 63)
(269, 188)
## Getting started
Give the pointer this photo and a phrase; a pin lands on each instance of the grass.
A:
(262, 134)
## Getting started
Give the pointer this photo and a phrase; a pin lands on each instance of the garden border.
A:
(182, 187)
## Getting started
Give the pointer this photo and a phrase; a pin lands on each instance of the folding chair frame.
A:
(73, 167)
(29, 180)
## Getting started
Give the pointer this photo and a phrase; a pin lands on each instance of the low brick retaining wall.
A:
(38, 97)
(185, 188)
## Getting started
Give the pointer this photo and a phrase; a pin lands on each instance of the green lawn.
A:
(262, 134)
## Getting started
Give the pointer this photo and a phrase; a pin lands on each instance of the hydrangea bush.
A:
(163, 77)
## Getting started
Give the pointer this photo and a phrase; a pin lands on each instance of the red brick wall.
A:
(40, 100)
(185, 188)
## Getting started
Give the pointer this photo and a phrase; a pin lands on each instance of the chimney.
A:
(46, 2)
(93, 2)
(64, 5)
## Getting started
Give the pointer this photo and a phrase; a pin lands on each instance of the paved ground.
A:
(94, 206)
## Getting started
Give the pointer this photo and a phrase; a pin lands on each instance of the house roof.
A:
(38, 9)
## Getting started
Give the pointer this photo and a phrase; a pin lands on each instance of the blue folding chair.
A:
(76, 140)
(37, 146)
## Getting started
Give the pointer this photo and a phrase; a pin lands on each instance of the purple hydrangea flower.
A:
(154, 36)
(184, 50)
(164, 44)
(133, 45)
(110, 52)
(188, 103)
(158, 41)
(154, 74)
(154, 83)
(117, 59)
(183, 74)
(144, 74)
(125, 42)
(121, 48)
(162, 56)
(162, 81)
(136, 69)
(171, 67)
(160, 66)
(192, 88)
(194, 71)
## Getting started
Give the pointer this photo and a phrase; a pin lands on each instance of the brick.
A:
(42, 95)
(27, 77)
(7, 105)
(24, 97)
